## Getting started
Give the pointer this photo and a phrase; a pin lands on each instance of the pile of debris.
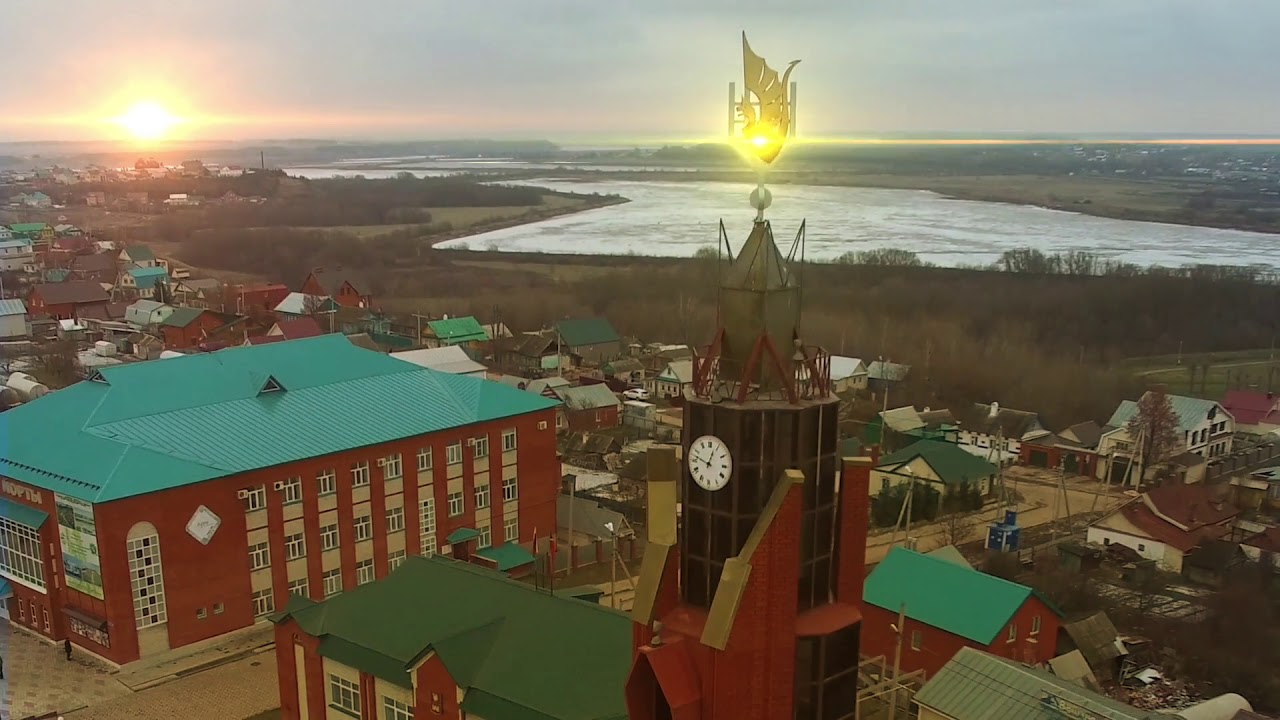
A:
(1161, 693)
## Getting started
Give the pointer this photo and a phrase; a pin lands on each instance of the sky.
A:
(621, 69)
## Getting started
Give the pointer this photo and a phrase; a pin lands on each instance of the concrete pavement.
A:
(232, 691)
(39, 679)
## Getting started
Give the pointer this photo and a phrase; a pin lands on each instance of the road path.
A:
(235, 691)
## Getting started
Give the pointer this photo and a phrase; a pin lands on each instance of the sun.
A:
(147, 121)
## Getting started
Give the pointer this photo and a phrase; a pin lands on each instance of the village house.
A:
(262, 298)
(13, 319)
(1074, 449)
(627, 370)
(15, 255)
(591, 340)
(346, 289)
(1167, 523)
(1204, 426)
(35, 232)
(591, 407)
(997, 433)
(882, 374)
(38, 200)
(848, 374)
(5, 233)
(199, 292)
(146, 314)
(947, 606)
(674, 379)
(552, 387)
(942, 465)
(465, 332)
(299, 305)
(187, 327)
(98, 267)
(530, 354)
(65, 300)
(451, 359)
(65, 230)
(659, 356)
(1255, 412)
(97, 198)
(142, 282)
(137, 256)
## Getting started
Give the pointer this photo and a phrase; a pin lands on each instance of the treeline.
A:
(263, 184)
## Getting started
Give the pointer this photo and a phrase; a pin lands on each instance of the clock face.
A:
(710, 463)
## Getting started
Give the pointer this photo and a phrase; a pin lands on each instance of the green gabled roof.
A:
(507, 556)
(488, 630)
(458, 330)
(586, 331)
(29, 227)
(462, 535)
(182, 317)
(953, 465)
(144, 427)
(140, 253)
(945, 595)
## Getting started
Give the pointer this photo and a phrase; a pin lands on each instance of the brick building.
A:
(66, 300)
(948, 606)
(345, 288)
(159, 504)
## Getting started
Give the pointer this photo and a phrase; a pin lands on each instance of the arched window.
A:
(146, 577)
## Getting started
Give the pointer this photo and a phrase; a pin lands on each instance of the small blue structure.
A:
(1005, 536)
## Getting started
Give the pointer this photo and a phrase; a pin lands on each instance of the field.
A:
(1210, 375)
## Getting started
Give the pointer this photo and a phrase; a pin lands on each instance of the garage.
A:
(1038, 458)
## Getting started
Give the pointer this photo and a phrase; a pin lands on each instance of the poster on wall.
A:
(76, 531)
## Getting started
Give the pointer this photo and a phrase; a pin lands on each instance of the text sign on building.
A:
(20, 491)
(203, 525)
(77, 532)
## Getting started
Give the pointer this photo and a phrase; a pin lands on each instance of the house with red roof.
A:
(303, 327)
(1167, 523)
(1256, 412)
(262, 297)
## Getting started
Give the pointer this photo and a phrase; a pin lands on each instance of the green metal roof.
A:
(182, 317)
(145, 427)
(1190, 411)
(507, 556)
(140, 253)
(944, 595)
(22, 514)
(458, 330)
(28, 227)
(488, 630)
(586, 331)
(462, 535)
(975, 685)
(147, 277)
(953, 465)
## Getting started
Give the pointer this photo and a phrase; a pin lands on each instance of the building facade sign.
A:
(81, 566)
(21, 491)
(203, 524)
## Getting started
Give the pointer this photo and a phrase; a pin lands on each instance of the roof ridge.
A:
(939, 561)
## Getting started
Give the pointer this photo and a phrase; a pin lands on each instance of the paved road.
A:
(235, 691)
(39, 679)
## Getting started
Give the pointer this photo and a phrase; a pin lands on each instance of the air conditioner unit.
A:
(242, 494)
(279, 485)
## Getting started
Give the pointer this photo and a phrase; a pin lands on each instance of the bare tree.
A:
(956, 527)
(1157, 425)
(56, 364)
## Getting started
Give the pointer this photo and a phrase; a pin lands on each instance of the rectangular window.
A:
(486, 537)
(360, 474)
(511, 530)
(22, 611)
(291, 490)
(217, 608)
(395, 519)
(262, 603)
(344, 695)
(508, 440)
(427, 520)
(510, 490)
(917, 639)
(298, 587)
(542, 425)
(456, 504)
(364, 571)
(364, 527)
(45, 613)
(259, 556)
(453, 453)
(201, 613)
(327, 482)
(332, 582)
(20, 552)
(1035, 625)
(559, 421)
(481, 445)
(424, 459)
(329, 537)
(254, 498)
(482, 496)
(395, 560)
(1013, 633)
(295, 546)
(391, 467)
(396, 710)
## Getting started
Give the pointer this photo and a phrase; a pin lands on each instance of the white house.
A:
(146, 313)
(15, 255)
(1205, 428)
(5, 233)
(990, 431)
(848, 374)
(13, 319)
(674, 378)
(1167, 523)
(450, 359)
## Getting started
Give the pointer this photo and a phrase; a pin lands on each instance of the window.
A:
(481, 446)
(148, 582)
(486, 537)
(364, 527)
(395, 519)
(510, 489)
(396, 710)
(508, 440)
(542, 425)
(45, 613)
(427, 520)
(259, 556)
(360, 474)
(344, 695)
(262, 603)
(395, 560)
(364, 571)
(20, 552)
(1141, 547)
(332, 582)
(1013, 633)
(391, 467)
(22, 611)
(456, 504)
(424, 459)
(329, 537)
(917, 639)
(298, 587)
(453, 453)
(884, 484)
(295, 546)
(291, 490)
(201, 613)
(217, 608)
(482, 496)
(559, 421)
(254, 498)
(1035, 625)
(437, 703)
(327, 482)
(511, 530)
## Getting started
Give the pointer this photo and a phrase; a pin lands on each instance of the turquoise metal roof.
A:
(458, 330)
(12, 307)
(147, 277)
(22, 514)
(145, 427)
(1190, 411)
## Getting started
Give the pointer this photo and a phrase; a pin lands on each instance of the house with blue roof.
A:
(142, 282)
(162, 503)
(1204, 431)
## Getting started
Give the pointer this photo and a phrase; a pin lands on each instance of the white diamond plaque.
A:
(203, 525)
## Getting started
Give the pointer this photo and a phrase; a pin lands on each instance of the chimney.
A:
(854, 516)
(995, 408)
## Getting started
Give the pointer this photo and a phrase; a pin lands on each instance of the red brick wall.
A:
(433, 678)
(192, 334)
(35, 603)
(580, 420)
(854, 517)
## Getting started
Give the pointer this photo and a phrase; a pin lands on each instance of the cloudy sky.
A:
(571, 69)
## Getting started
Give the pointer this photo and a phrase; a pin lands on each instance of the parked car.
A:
(636, 394)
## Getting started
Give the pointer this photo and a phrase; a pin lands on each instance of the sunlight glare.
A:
(147, 121)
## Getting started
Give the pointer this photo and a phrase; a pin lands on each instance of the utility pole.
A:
(613, 566)
(897, 662)
(905, 510)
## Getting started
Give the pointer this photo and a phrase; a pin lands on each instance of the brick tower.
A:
(747, 607)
